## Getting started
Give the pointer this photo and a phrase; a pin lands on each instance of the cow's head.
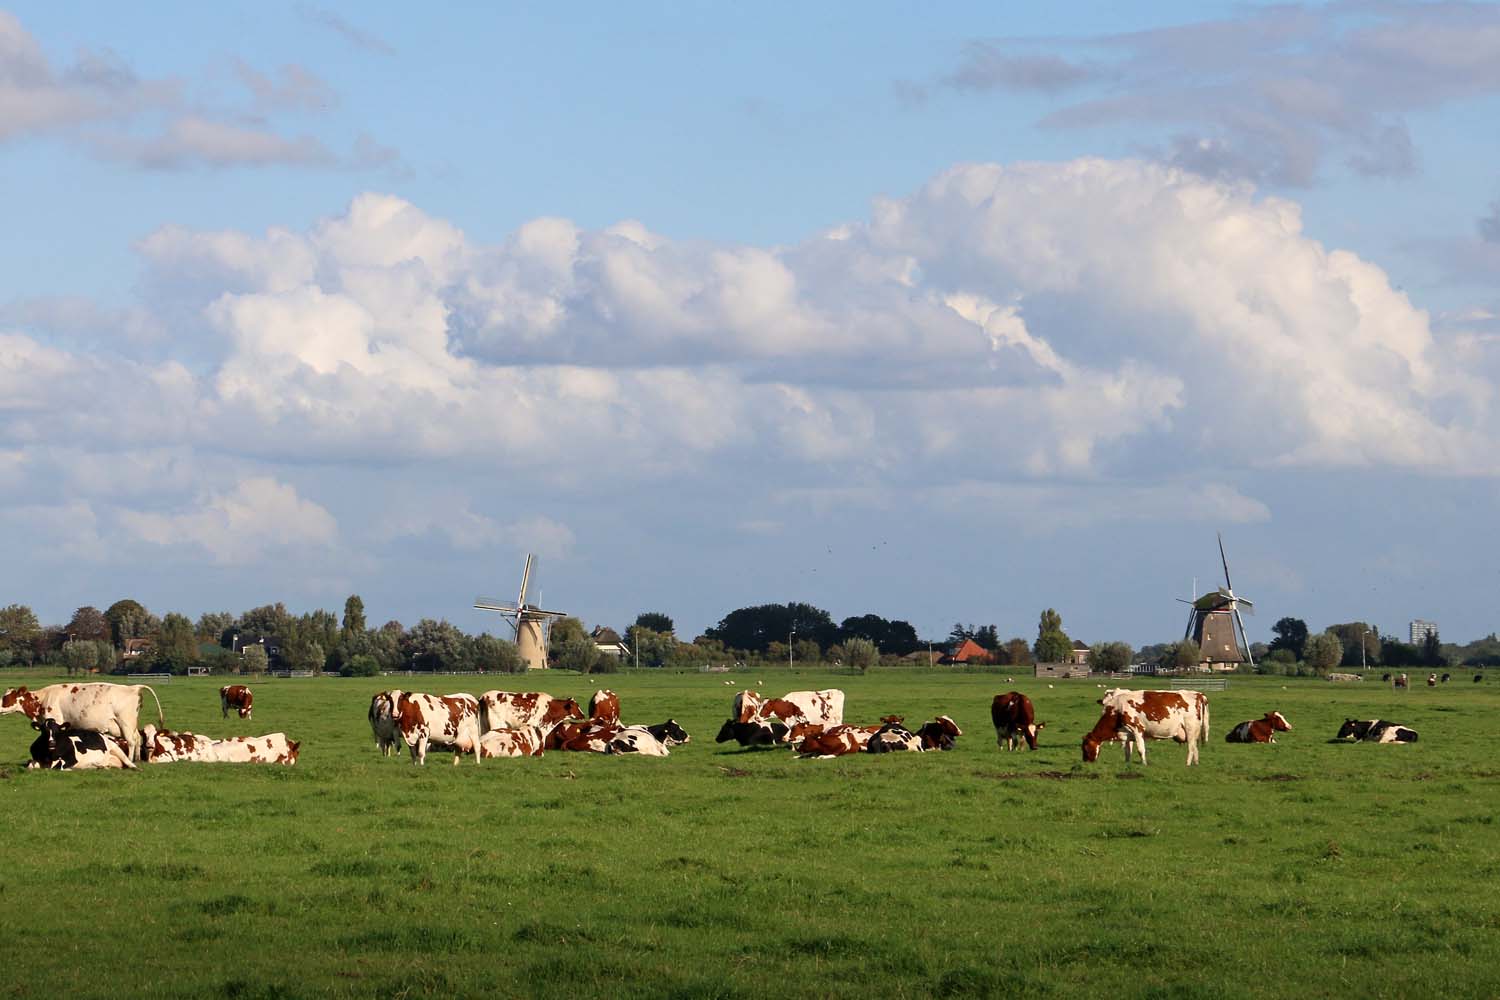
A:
(726, 731)
(804, 731)
(293, 747)
(561, 708)
(1353, 729)
(1278, 722)
(1106, 729)
(670, 733)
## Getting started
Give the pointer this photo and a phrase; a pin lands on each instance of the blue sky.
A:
(950, 315)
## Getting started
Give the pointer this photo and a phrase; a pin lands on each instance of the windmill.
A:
(531, 623)
(1214, 620)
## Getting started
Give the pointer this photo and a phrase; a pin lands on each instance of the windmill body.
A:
(529, 623)
(1216, 625)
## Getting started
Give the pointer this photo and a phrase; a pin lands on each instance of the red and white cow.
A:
(111, 709)
(237, 697)
(59, 749)
(272, 749)
(162, 746)
(834, 741)
(1135, 716)
(1261, 730)
(519, 709)
(527, 742)
(438, 720)
(604, 707)
(383, 722)
(1014, 720)
(825, 708)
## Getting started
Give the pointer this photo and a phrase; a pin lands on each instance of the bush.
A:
(360, 665)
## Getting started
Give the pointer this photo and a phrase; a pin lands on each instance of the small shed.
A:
(1063, 670)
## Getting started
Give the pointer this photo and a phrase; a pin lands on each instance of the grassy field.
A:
(1301, 869)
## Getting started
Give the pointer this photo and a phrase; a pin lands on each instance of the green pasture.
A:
(1301, 869)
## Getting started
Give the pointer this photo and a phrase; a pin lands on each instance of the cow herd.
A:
(96, 726)
(86, 726)
(511, 724)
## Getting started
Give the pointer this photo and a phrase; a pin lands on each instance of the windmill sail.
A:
(529, 624)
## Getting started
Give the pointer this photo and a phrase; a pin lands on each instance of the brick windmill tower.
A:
(531, 623)
(1215, 624)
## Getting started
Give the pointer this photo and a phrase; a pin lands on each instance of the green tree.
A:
(86, 655)
(1291, 633)
(254, 660)
(655, 621)
(213, 626)
(1353, 636)
(19, 631)
(87, 623)
(360, 665)
(1052, 643)
(1186, 654)
(807, 651)
(128, 619)
(1109, 657)
(1014, 652)
(860, 653)
(576, 651)
(754, 629)
(494, 655)
(652, 648)
(566, 629)
(354, 617)
(1432, 650)
(435, 645)
(177, 646)
(896, 638)
(1050, 621)
(1324, 651)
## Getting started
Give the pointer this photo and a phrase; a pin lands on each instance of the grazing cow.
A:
(519, 709)
(237, 697)
(1014, 720)
(1135, 716)
(383, 722)
(447, 720)
(1385, 678)
(753, 734)
(941, 733)
(58, 748)
(1399, 680)
(162, 746)
(1376, 731)
(893, 738)
(111, 709)
(1444, 678)
(1262, 730)
(604, 706)
(835, 741)
(1432, 680)
(272, 749)
(527, 742)
(1478, 678)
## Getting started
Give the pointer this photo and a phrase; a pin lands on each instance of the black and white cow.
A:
(1376, 731)
(61, 749)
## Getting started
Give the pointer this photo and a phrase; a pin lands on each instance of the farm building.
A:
(1062, 670)
(968, 651)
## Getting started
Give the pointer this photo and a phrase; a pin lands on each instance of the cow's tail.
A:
(161, 720)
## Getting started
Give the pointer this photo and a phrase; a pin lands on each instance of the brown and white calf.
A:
(1137, 716)
(448, 721)
(383, 722)
(1261, 730)
(237, 697)
(1015, 720)
(519, 709)
(111, 709)
(834, 741)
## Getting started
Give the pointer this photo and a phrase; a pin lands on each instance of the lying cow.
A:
(272, 749)
(449, 721)
(529, 741)
(893, 738)
(237, 697)
(1135, 716)
(941, 733)
(111, 709)
(834, 741)
(640, 740)
(1014, 720)
(383, 722)
(1376, 731)
(822, 707)
(162, 746)
(1261, 730)
(753, 734)
(60, 749)
(519, 709)
(593, 737)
